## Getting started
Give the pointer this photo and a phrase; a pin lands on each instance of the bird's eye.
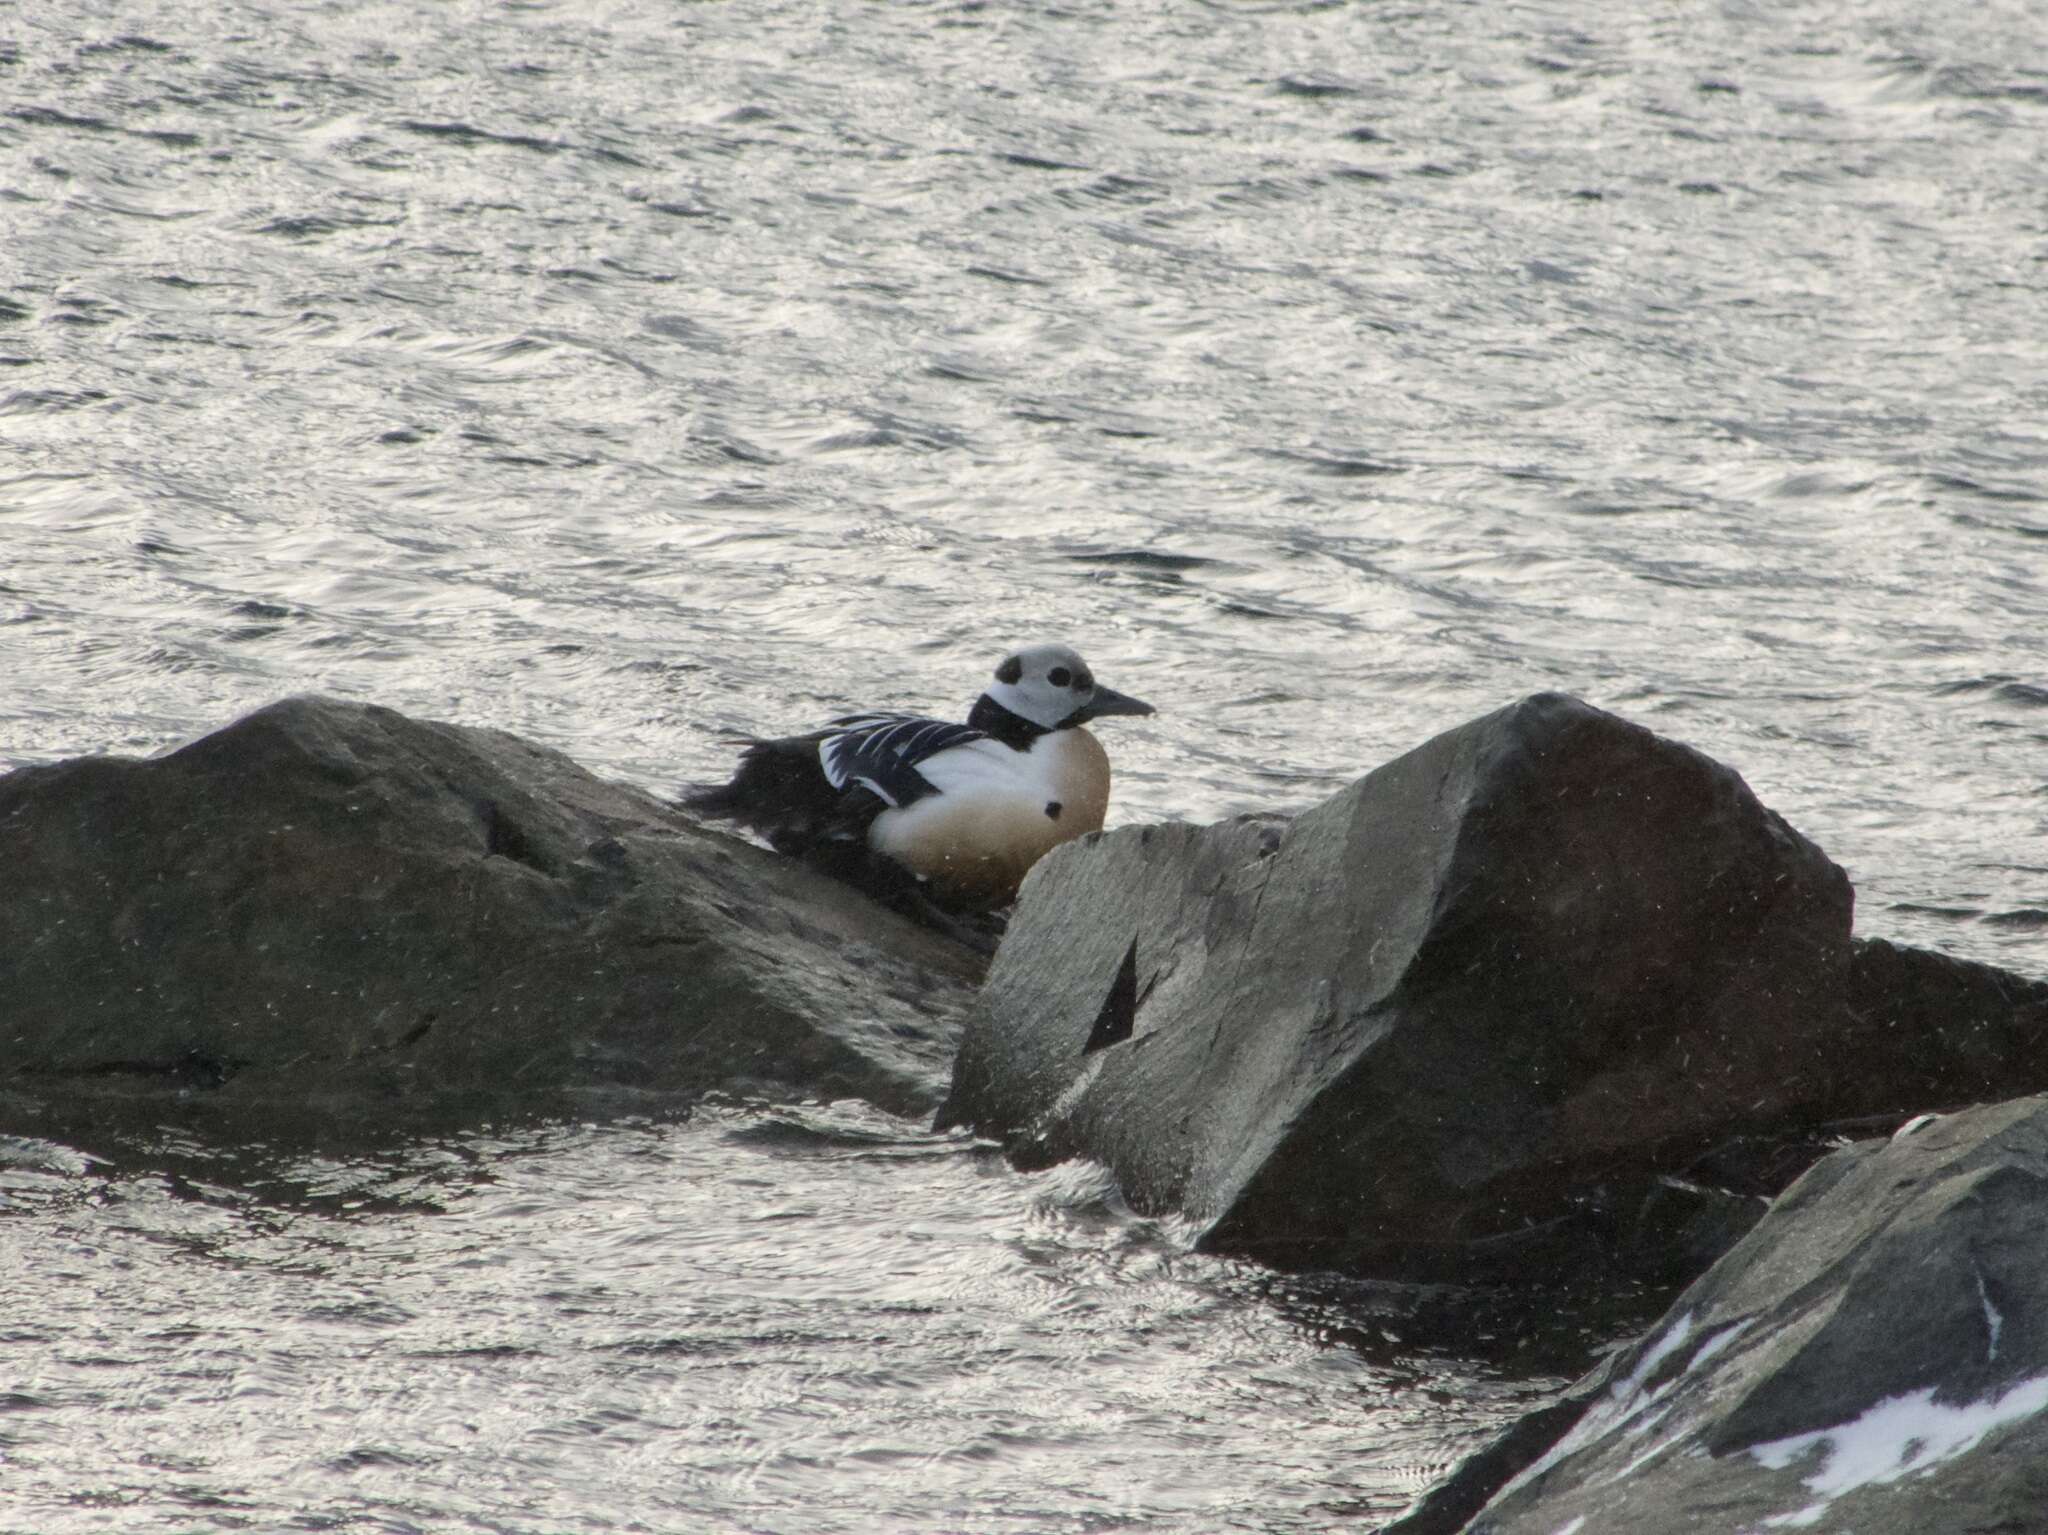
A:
(1059, 676)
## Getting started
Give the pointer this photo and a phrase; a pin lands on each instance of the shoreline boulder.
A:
(1464, 1019)
(1873, 1356)
(330, 918)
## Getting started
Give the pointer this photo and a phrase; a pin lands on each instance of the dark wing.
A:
(880, 752)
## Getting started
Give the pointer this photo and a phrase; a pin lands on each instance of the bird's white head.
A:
(1051, 686)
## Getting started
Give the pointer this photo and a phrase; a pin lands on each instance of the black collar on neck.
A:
(1012, 729)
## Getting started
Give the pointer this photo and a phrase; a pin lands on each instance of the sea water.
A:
(628, 375)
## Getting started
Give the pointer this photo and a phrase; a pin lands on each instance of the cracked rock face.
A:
(331, 915)
(1410, 1029)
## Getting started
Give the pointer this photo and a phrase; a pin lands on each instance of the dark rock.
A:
(1681, 1227)
(1955, 1032)
(1450, 1505)
(332, 915)
(1872, 1356)
(1466, 1018)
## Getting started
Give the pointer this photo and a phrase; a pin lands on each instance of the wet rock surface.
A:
(1958, 1032)
(1873, 1356)
(1546, 995)
(330, 917)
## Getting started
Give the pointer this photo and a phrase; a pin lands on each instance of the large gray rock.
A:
(331, 916)
(1872, 1357)
(1459, 1019)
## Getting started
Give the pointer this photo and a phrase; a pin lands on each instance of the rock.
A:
(1452, 1503)
(1466, 1018)
(1681, 1227)
(332, 916)
(1872, 1356)
(1954, 1032)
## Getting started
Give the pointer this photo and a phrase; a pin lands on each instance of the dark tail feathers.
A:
(718, 800)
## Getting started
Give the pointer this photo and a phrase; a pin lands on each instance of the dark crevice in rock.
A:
(504, 837)
(193, 1068)
(1119, 1015)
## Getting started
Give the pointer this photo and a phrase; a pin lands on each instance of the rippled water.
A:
(627, 374)
(756, 1321)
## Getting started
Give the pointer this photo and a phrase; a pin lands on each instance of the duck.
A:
(954, 814)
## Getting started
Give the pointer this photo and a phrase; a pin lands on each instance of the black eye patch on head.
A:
(1059, 676)
(1083, 683)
